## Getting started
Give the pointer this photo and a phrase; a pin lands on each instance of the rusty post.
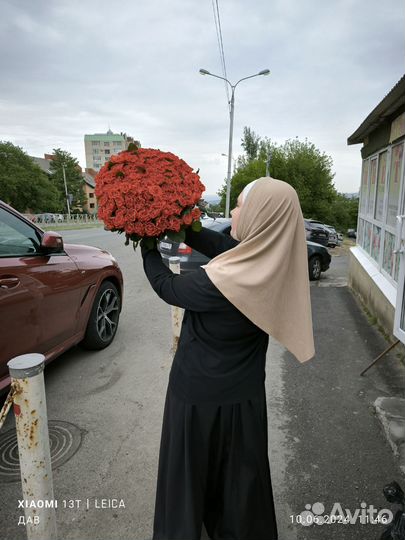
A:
(27, 378)
(177, 313)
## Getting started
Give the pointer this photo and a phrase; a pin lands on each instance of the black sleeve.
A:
(209, 243)
(193, 291)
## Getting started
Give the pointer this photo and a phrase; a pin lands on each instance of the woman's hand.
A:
(148, 244)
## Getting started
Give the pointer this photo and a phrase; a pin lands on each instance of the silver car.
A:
(333, 236)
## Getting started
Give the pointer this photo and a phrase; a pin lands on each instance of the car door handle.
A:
(8, 282)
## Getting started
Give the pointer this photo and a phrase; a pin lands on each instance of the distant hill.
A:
(350, 195)
(212, 199)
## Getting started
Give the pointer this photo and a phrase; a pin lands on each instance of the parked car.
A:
(333, 237)
(351, 233)
(48, 217)
(318, 256)
(340, 236)
(52, 295)
(316, 232)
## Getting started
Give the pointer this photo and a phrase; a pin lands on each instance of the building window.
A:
(106, 144)
(95, 143)
(118, 144)
(96, 151)
(375, 245)
(379, 205)
(106, 151)
(364, 186)
(371, 191)
(91, 195)
(367, 236)
(382, 173)
(394, 183)
(91, 205)
(388, 256)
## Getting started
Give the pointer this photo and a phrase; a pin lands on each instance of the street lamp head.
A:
(264, 72)
(204, 72)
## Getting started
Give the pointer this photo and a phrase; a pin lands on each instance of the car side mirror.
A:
(51, 242)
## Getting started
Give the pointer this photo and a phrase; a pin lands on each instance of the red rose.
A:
(151, 229)
(187, 219)
(145, 192)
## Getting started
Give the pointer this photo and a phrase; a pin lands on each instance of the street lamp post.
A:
(66, 191)
(231, 115)
(234, 162)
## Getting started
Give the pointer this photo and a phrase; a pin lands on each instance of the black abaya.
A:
(213, 461)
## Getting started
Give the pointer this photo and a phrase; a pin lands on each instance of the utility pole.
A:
(66, 192)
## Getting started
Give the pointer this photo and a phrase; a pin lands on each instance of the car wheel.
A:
(314, 268)
(104, 317)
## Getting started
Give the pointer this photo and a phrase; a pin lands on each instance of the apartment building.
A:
(99, 147)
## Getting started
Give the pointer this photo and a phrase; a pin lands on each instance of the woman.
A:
(213, 462)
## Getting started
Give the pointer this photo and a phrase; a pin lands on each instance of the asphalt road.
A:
(325, 443)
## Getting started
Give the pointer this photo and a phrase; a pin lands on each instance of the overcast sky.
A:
(73, 67)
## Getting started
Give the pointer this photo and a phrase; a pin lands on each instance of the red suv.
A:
(52, 296)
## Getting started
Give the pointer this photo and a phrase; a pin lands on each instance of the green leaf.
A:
(196, 226)
(133, 147)
(177, 236)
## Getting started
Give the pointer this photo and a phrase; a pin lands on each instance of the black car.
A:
(316, 232)
(190, 259)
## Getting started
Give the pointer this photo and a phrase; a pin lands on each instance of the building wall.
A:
(91, 204)
(99, 147)
(373, 298)
(373, 267)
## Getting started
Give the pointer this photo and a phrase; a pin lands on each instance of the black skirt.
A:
(214, 469)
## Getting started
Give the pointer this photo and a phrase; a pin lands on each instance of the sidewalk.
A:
(327, 444)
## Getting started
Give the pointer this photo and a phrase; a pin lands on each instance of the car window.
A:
(17, 238)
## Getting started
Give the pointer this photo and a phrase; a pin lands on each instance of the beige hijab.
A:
(266, 275)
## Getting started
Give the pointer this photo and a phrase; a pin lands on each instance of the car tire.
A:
(104, 317)
(315, 268)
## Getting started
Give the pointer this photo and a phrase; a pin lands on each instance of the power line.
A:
(217, 20)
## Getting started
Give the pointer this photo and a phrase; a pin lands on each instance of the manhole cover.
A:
(64, 438)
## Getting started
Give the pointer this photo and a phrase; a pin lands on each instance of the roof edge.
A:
(387, 106)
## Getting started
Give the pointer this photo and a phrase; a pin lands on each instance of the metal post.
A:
(177, 313)
(229, 176)
(66, 191)
(27, 378)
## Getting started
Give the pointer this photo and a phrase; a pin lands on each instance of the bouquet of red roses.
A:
(147, 194)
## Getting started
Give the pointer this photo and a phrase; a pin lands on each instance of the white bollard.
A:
(27, 378)
(177, 313)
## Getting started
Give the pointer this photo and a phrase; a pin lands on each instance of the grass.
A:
(69, 227)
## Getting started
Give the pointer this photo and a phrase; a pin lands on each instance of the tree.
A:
(74, 178)
(301, 164)
(250, 143)
(23, 184)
